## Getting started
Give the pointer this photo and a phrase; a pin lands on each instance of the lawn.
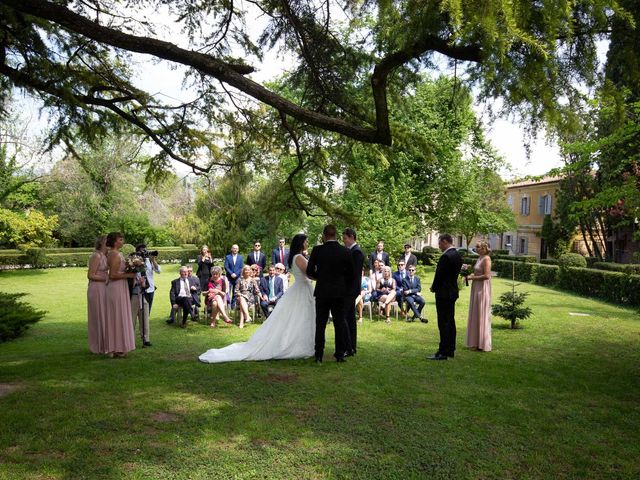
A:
(558, 398)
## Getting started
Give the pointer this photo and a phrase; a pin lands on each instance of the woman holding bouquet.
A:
(479, 321)
(97, 295)
(119, 335)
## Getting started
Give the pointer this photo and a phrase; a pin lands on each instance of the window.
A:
(524, 206)
(507, 241)
(522, 246)
(544, 205)
(510, 202)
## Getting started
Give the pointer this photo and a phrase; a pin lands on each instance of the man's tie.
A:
(282, 255)
(271, 295)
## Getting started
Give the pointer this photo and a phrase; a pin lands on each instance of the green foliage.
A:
(556, 235)
(618, 267)
(16, 316)
(26, 230)
(511, 307)
(567, 260)
(516, 258)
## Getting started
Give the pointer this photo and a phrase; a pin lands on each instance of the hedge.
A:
(499, 252)
(617, 287)
(549, 261)
(633, 268)
(516, 258)
(55, 258)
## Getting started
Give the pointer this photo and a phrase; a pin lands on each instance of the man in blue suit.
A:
(280, 254)
(271, 289)
(399, 276)
(410, 291)
(233, 264)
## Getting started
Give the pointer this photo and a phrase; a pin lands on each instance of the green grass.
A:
(558, 398)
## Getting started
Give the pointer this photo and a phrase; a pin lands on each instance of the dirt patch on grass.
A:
(287, 378)
(165, 417)
(9, 388)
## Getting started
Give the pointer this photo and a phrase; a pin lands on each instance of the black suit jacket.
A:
(445, 281)
(331, 265)
(174, 291)
(262, 260)
(413, 260)
(358, 261)
(374, 255)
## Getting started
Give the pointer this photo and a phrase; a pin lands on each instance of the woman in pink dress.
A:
(97, 295)
(217, 296)
(119, 335)
(479, 322)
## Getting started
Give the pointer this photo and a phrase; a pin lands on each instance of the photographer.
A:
(151, 262)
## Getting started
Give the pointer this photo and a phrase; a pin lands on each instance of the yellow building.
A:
(530, 201)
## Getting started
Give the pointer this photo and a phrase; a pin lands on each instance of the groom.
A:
(331, 266)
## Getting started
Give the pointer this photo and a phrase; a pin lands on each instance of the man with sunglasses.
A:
(257, 257)
(399, 275)
(411, 294)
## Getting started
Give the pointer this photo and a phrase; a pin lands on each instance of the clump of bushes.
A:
(568, 260)
(16, 316)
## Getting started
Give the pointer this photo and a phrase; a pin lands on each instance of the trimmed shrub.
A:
(36, 257)
(618, 267)
(16, 316)
(499, 252)
(549, 261)
(427, 258)
(430, 249)
(620, 288)
(546, 275)
(567, 260)
(591, 261)
(516, 258)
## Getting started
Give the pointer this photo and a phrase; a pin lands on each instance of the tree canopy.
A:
(350, 58)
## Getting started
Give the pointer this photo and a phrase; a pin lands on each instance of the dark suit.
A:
(445, 287)
(416, 302)
(374, 256)
(261, 261)
(184, 302)
(399, 277)
(413, 260)
(354, 291)
(331, 265)
(278, 290)
(275, 257)
(231, 267)
(195, 294)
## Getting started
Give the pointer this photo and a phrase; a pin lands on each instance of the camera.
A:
(144, 253)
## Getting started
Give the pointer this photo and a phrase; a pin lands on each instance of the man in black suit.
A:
(331, 266)
(379, 254)
(180, 296)
(257, 257)
(271, 289)
(445, 287)
(408, 257)
(280, 254)
(349, 239)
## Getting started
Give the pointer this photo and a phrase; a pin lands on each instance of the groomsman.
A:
(349, 239)
(399, 276)
(411, 293)
(257, 257)
(445, 287)
(233, 264)
(379, 255)
(280, 254)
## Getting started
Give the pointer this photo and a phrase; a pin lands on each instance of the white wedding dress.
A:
(289, 332)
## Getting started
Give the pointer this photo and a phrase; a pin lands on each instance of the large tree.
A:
(76, 56)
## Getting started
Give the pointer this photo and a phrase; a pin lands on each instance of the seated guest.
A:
(271, 290)
(411, 292)
(386, 292)
(217, 296)
(180, 296)
(257, 257)
(285, 277)
(256, 274)
(379, 255)
(233, 264)
(399, 276)
(246, 291)
(408, 257)
(365, 292)
(196, 288)
(376, 275)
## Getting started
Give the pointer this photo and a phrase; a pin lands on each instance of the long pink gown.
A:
(97, 305)
(119, 335)
(479, 321)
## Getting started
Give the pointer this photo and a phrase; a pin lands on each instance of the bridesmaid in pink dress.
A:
(479, 322)
(119, 335)
(97, 295)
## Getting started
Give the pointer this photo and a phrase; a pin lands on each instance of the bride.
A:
(289, 332)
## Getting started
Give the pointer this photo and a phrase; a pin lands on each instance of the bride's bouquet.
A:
(134, 264)
(465, 271)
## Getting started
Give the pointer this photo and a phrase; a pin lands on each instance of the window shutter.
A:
(542, 203)
(548, 206)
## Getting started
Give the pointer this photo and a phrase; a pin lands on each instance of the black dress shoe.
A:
(170, 321)
(339, 358)
(424, 320)
(350, 353)
(146, 344)
(437, 356)
(318, 358)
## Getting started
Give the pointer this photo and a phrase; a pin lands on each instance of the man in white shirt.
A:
(180, 296)
(410, 260)
(285, 278)
(151, 264)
